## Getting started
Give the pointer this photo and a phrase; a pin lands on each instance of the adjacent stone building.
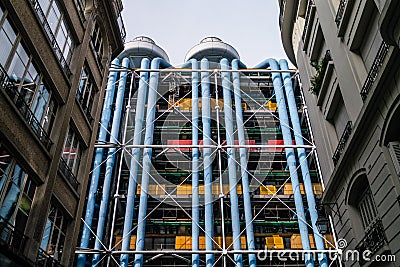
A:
(347, 53)
(54, 58)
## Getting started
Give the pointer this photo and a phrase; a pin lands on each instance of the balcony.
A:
(340, 12)
(11, 237)
(68, 174)
(321, 72)
(308, 20)
(11, 89)
(375, 68)
(342, 143)
(281, 12)
(50, 36)
(45, 260)
(373, 240)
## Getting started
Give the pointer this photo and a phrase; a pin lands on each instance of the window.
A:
(54, 233)
(72, 151)
(16, 193)
(58, 26)
(97, 42)
(366, 206)
(86, 92)
(25, 86)
(80, 5)
(71, 157)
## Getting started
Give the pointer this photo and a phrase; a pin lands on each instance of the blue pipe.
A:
(206, 120)
(195, 163)
(290, 156)
(243, 164)
(230, 141)
(110, 159)
(147, 153)
(301, 152)
(134, 166)
(105, 119)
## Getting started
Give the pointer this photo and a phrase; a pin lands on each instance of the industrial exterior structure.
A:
(347, 53)
(54, 58)
(203, 164)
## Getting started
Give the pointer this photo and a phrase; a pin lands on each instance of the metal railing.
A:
(85, 108)
(307, 21)
(121, 26)
(45, 260)
(68, 174)
(340, 12)
(373, 72)
(373, 240)
(281, 11)
(342, 142)
(52, 39)
(14, 239)
(11, 89)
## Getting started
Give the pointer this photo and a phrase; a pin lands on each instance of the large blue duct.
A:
(105, 119)
(243, 163)
(301, 152)
(110, 158)
(134, 165)
(230, 141)
(290, 156)
(147, 153)
(195, 163)
(208, 200)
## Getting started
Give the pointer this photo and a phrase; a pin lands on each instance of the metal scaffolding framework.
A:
(210, 164)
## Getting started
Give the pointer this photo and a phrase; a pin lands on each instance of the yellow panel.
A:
(202, 242)
(272, 105)
(295, 242)
(118, 242)
(184, 189)
(160, 190)
(244, 106)
(278, 242)
(288, 189)
(317, 188)
(201, 189)
(243, 242)
(269, 190)
(138, 189)
(269, 242)
(312, 241)
(239, 189)
(329, 241)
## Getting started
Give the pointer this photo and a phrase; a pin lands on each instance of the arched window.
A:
(391, 137)
(361, 205)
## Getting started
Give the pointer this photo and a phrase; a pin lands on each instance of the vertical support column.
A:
(134, 165)
(301, 153)
(110, 158)
(195, 163)
(290, 156)
(147, 153)
(105, 119)
(243, 164)
(226, 84)
(206, 120)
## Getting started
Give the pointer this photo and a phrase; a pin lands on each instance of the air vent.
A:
(394, 149)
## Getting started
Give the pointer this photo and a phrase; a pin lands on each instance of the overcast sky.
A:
(251, 27)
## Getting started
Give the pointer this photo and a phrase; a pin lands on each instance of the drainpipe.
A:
(243, 164)
(195, 163)
(230, 141)
(105, 119)
(301, 153)
(206, 120)
(110, 159)
(134, 166)
(290, 156)
(147, 153)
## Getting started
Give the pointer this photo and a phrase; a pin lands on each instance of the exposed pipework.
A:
(206, 120)
(195, 163)
(110, 158)
(290, 156)
(105, 119)
(147, 153)
(134, 165)
(301, 152)
(227, 96)
(243, 164)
